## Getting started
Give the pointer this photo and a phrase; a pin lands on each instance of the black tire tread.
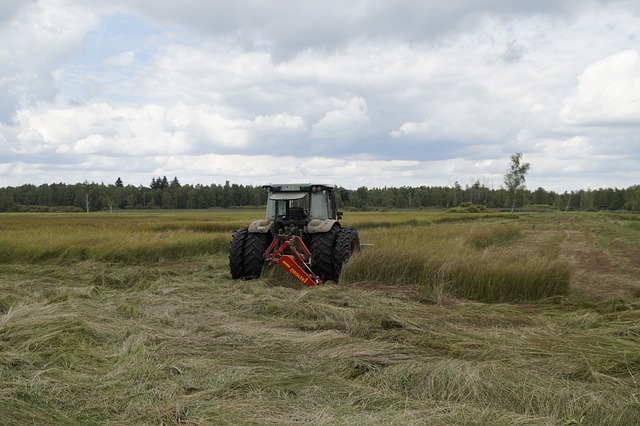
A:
(254, 248)
(236, 253)
(322, 254)
(347, 243)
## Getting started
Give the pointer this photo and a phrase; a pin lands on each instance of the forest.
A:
(170, 194)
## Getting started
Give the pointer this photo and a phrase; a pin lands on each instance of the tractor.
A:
(301, 233)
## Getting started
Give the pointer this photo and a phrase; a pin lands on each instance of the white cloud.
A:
(608, 92)
(207, 74)
(344, 122)
(577, 147)
(123, 59)
(36, 38)
(410, 129)
(88, 145)
(127, 131)
(280, 123)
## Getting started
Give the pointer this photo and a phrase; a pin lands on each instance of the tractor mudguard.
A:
(261, 226)
(316, 226)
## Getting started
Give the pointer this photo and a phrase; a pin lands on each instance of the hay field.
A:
(132, 318)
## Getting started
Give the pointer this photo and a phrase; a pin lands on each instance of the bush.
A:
(469, 208)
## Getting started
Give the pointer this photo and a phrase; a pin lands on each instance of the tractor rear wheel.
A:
(347, 243)
(236, 253)
(254, 248)
(246, 254)
(322, 254)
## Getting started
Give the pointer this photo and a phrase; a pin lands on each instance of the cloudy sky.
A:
(348, 92)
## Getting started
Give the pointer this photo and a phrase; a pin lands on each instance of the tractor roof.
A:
(287, 195)
(297, 187)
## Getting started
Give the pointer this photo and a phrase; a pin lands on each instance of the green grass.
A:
(113, 238)
(469, 261)
(417, 331)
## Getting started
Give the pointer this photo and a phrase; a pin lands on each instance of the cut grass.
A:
(177, 342)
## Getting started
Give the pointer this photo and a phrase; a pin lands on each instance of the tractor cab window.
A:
(290, 206)
(320, 205)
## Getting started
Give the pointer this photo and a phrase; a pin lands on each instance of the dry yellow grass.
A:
(173, 340)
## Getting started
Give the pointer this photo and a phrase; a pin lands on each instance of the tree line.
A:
(170, 194)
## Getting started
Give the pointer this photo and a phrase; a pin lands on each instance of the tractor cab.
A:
(301, 205)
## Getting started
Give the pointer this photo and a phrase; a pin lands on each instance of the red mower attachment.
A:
(290, 252)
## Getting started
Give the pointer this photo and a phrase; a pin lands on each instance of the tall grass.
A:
(412, 218)
(470, 262)
(118, 238)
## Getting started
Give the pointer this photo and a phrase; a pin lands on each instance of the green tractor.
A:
(301, 233)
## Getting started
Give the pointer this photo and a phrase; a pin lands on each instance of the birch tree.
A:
(515, 177)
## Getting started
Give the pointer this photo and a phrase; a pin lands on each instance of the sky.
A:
(354, 93)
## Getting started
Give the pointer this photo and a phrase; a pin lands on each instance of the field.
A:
(132, 318)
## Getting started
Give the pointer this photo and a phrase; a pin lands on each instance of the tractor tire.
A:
(254, 248)
(236, 253)
(347, 243)
(322, 254)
